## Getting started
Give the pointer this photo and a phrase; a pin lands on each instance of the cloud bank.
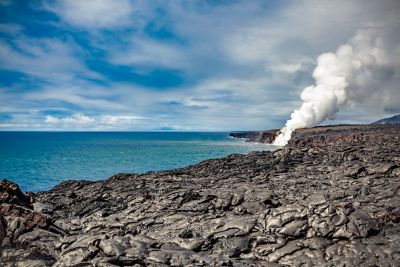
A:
(197, 65)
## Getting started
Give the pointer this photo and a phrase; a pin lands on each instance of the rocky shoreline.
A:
(331, 197)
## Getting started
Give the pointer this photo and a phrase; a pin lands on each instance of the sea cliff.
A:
(329, 198)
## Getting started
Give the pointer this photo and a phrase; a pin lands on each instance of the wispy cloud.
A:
(97, 14)
(147, 52)
(73, 120)
(170, 64)
(81, 121)
(49, 59)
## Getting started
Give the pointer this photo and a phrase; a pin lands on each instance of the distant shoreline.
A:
(40, 160)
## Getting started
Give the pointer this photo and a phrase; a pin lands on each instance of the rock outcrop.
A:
(391, 120)
(257, 136)
(329, 198)
(11, 194)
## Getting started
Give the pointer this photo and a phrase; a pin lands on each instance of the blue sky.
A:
(169, 65)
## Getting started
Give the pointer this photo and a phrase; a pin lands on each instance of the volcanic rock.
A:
(258, 136)
(331, 197)
(11, 194)
(391, 120)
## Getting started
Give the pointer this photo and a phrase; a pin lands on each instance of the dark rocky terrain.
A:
(331, 197)
(391, 120)
(257, 136)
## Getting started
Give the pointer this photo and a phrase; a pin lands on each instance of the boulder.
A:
(11, 194)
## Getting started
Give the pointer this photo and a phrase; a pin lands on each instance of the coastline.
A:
(41, 160)
(330, 196)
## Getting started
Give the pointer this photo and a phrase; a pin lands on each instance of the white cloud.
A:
(47, 58)
(51, 119)
(120, 120)
(93, 13)
(74, 120)
(80, 94)
(97, 122)
(304, 29)
(147, 52)
(245, 62)
(78, 119)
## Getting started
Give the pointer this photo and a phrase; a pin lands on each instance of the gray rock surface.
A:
(329, 198)
(257, 136)
(391, 120)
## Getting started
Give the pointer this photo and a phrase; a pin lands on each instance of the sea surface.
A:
(38, 161)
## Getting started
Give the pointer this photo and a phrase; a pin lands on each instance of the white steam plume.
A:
(364, 70)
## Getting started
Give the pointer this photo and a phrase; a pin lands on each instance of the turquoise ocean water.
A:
(40, 160)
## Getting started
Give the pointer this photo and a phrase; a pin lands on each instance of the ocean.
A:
(38, 161)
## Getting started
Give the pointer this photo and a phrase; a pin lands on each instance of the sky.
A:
(139, 65)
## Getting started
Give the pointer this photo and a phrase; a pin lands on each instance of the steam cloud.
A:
(364, 70)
